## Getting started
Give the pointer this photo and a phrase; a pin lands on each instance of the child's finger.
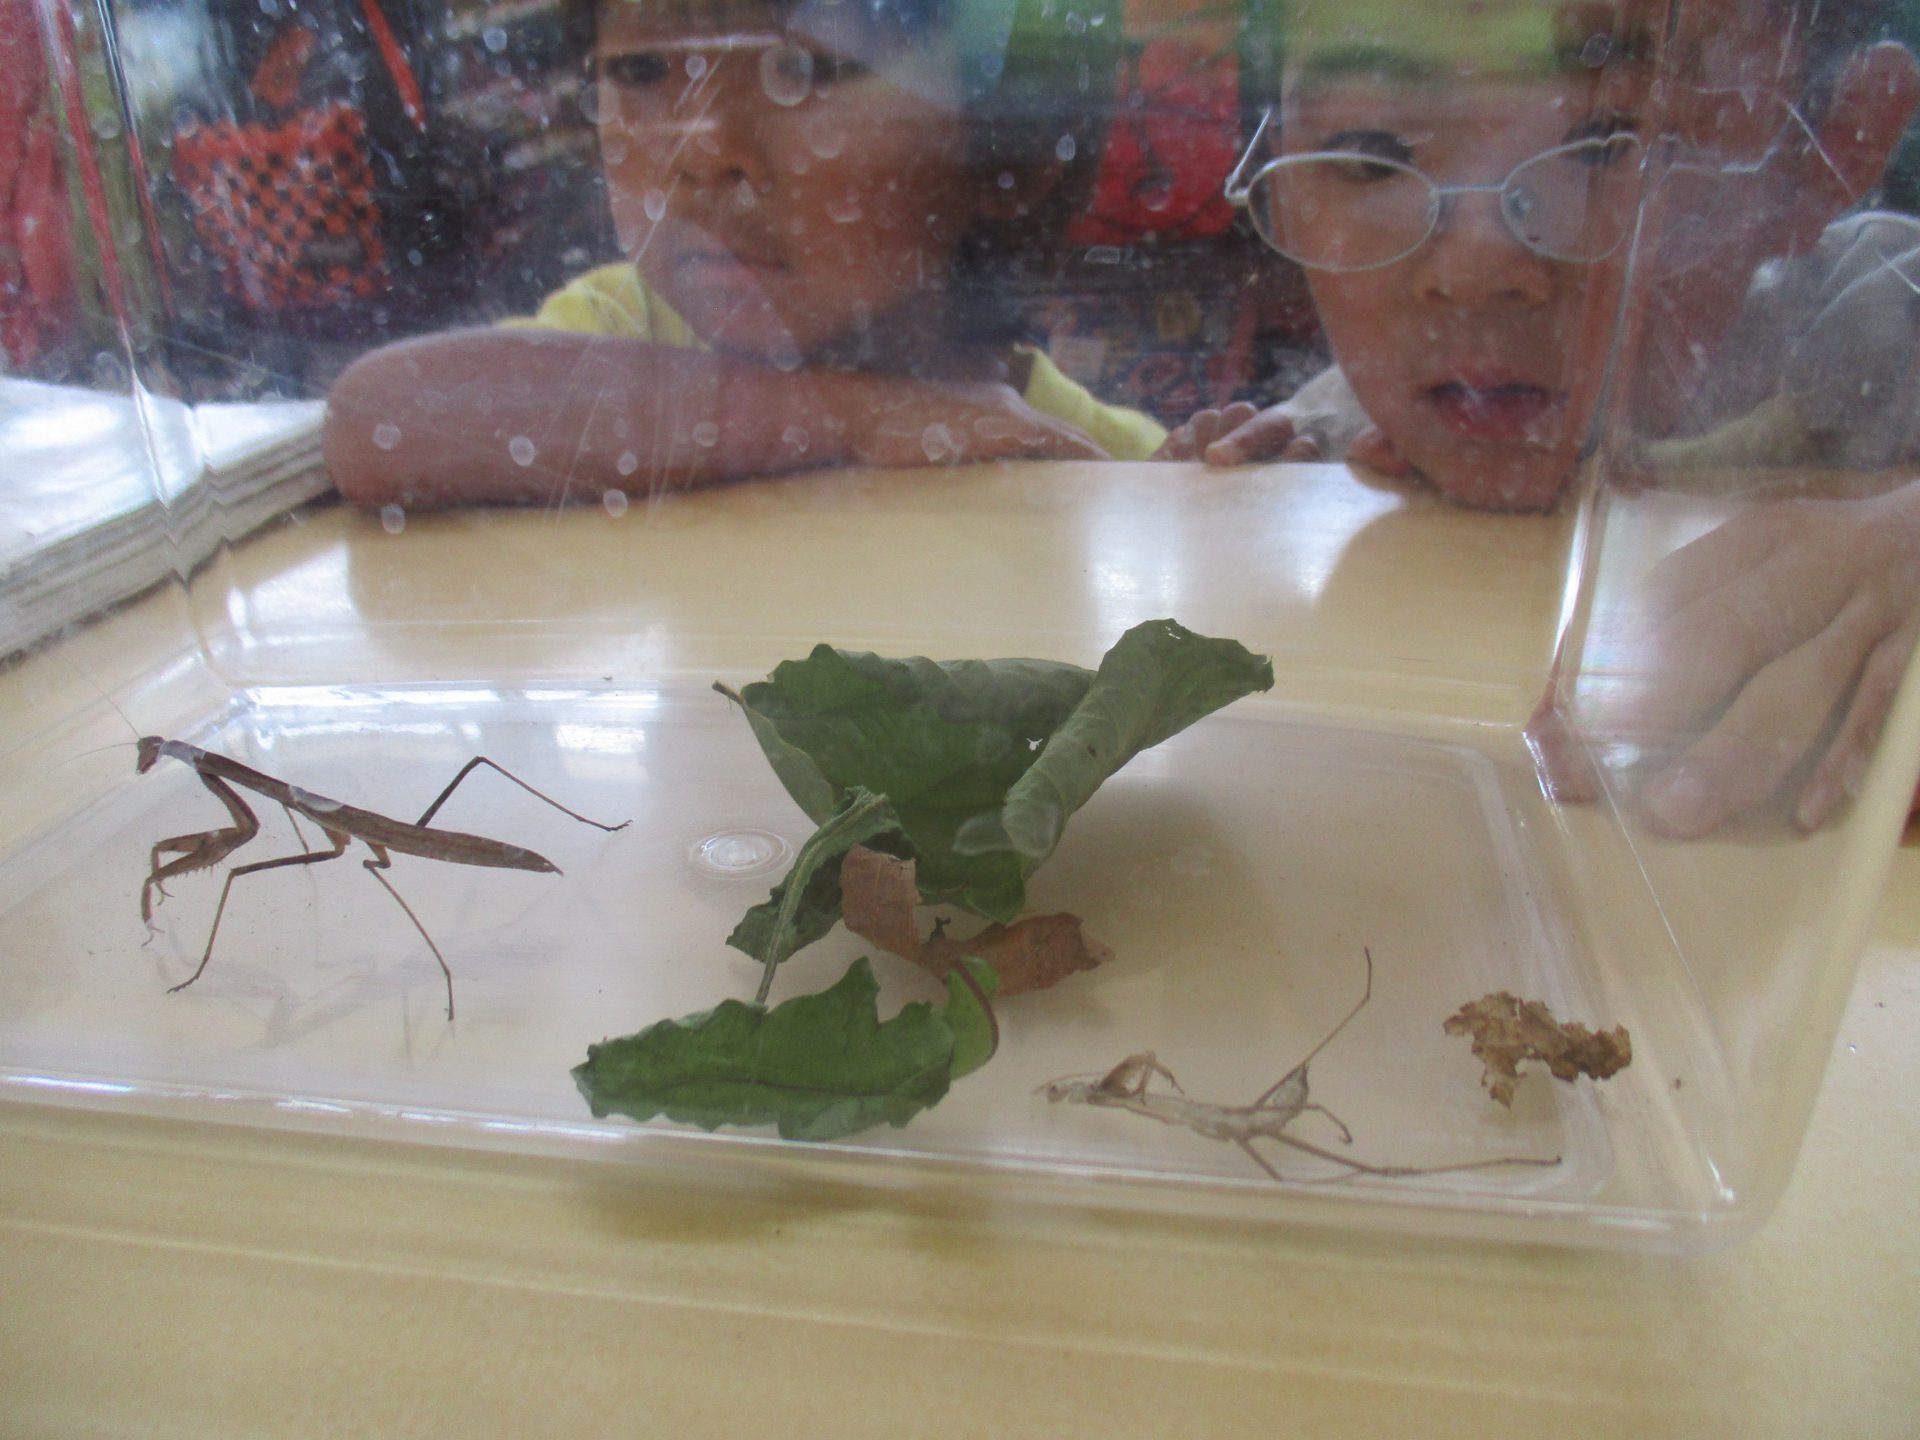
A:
(1180, 444)
(1560, 756)
(1768, 729)
(1262, 436)
(1685, 656)
(1838, 776)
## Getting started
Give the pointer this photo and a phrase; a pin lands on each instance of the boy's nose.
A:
(1472, 258)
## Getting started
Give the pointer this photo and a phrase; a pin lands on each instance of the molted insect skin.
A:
(1125, 1087)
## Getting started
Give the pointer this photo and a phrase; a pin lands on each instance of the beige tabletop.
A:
(168, 1277)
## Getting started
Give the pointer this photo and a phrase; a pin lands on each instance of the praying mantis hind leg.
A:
(381, 862)
(305, 857)
(479, 760)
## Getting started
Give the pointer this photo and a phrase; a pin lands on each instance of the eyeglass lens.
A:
(1340, 211)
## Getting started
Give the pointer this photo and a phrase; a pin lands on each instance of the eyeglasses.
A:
(1347, 210)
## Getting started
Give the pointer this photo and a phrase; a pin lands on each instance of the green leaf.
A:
(820, 1067)
(984, 760)
(806, 904)
(1157, 679)
(971, 986)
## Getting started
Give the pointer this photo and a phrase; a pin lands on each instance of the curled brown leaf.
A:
(1507, 1030)
(878, 898)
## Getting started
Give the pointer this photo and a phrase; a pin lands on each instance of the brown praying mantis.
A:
(340, 823)
(1125, 1087)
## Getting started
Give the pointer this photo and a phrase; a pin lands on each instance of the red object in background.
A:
(1174, 137)
(288, 209)
(36, 271)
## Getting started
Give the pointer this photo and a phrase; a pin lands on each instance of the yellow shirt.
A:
(613, 301)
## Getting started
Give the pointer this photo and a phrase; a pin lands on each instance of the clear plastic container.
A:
(1456, 772)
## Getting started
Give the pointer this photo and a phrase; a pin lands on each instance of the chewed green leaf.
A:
(985, 760)
(1155, 682)
(820, 1067)
(806, 904)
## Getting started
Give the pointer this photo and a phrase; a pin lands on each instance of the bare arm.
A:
(545, 415)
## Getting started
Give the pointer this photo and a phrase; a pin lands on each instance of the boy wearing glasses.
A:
(1464, 189)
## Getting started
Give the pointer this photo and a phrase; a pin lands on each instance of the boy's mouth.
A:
(1502, 412)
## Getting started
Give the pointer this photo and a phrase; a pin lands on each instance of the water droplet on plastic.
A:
(938, 443)
(743, 196)
(615, 502)
(416, 259)
(844, 211)
(1076, 23)
(1006, 180)
(786, 74)
(522, 449)
(654, 203)
(706, 434)
(696, 66)
(494, 38)
(627, 463)
(740, 854)
(386, 435)
(107, 126)
(797, 438)
(825, 136)
(784, 354)
(392, 519)
(1065, 149)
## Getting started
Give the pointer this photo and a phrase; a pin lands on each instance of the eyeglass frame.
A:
(1238, 188)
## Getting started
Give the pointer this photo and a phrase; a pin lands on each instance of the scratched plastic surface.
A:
(1384, 799)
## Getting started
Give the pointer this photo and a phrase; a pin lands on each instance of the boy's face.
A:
(782, 186)
(1481, 359)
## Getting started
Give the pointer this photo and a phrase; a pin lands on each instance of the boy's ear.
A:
(1030, 186)
(1873, 100)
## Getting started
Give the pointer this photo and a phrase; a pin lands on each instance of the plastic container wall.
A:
(493, 380)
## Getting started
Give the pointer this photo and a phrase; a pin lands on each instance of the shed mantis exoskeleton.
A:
(1124, 1087)
(340, 823)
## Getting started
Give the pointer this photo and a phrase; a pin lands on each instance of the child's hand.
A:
(904, 423)
(1196, 437)
(1773, 644)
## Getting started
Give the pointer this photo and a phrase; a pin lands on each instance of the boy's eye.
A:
(1364, 145)
(829, 70)
(636, 71)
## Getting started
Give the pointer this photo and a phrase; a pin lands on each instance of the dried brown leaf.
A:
(1507, 1030)
(878, 897)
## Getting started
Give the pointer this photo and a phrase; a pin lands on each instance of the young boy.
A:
(1475, 358)
(813, 196)
(1474, 288)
